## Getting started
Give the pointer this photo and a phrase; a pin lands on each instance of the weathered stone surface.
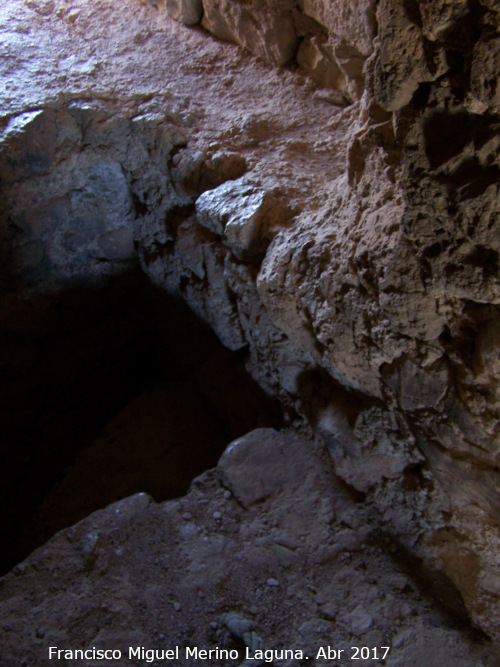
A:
(491, 4)
(194, 171)
(44, 7)
(404, 61)
(242, 213)
(83, 222)
(372, 315)
(487, 356)
(28, 145)
(336, 66)
(185, 11)
(258, 465)
(261, 28)
(439, 17)
(208, 569)
(352, 22)
(318, 60)
(484, 73)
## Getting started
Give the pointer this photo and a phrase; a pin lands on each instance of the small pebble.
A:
(73, 14)
(177, 606)
(361, 621)
(217, 515)
(273, 582)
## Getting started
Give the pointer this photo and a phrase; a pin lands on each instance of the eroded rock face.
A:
(67, 203)
(244, 215)
(333, 66)
(352, 22)
(266, 29)
(485, 62)
(186, 11)
(368, 299)
(278, 32)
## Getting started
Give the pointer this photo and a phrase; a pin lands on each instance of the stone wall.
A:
(395, 291)
(370, 308)
(330, 41)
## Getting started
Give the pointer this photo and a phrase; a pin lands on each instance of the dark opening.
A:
(110, 390)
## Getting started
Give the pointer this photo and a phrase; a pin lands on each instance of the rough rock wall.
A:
(330, 41)
(67, 233)
(368, 299)
(393, 288)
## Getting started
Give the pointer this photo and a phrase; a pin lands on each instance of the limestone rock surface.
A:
(439, 17)
(243, 214)
(372, 313)
(336, 66)
(186, 11)
(264, 29)
(352, 22)
(484, 79)
(405, 60)
(259, 464)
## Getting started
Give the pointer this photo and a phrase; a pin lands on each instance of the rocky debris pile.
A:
(299, 568)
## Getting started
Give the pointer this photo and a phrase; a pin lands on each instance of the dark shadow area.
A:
(412, 11)
(108, 390)
(471, 178)
(318, 390)
(332, 410)
(434, 585)
(446, 134)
